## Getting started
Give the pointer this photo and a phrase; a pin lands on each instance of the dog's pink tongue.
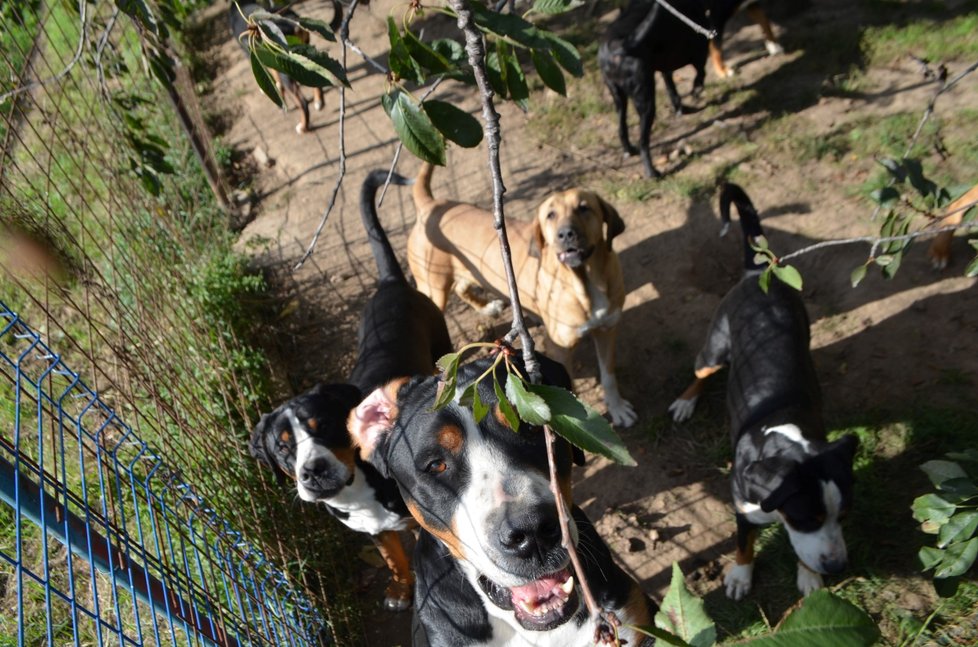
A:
(542, 589)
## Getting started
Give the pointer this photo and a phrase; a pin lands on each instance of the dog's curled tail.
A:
(422, 187)
(387, 263)
(750, 222)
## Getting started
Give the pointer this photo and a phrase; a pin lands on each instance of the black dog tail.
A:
(387, 263)
(750, 222)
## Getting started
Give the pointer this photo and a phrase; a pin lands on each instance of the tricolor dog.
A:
(566, 270)
(401, 333)
(785, 470)
(489, 563)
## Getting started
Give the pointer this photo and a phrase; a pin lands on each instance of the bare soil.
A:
(882, 349)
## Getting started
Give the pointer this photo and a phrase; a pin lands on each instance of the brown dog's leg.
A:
(621, 410)
(940, 249)
(757, 14)
(469, 292)
(318, 101)
(716, 57)
(397, 597)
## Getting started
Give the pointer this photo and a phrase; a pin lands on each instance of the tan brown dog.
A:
(565, 268)
(940, 248)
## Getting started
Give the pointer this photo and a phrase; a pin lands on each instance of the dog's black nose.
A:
(314, 470)
(531, 534)
(834, 566)
(567, 235)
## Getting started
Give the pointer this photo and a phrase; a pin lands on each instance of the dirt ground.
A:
(879, 348)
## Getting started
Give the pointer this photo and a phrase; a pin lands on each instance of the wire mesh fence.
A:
(149, 522)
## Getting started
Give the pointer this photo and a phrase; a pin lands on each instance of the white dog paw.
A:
(773, 48)
(808, 580)
(318, 105)
(682, 409)
(738, 581)
(622, 413)
(493, 308)
(299, 128)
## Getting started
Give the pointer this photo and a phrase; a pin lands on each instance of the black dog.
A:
(489, 563)
(720, 11)
(644, 39)
(290, 29)
(784, 468)
(401, 333)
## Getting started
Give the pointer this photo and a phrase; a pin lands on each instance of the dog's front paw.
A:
(300, 128)
(738, 581)
(318, 105)
(773, 48)
(622, 413)
(493, 309)
(397, 597)
(682, 409)
(808, 580)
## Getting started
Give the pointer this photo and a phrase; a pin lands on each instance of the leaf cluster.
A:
(535, 404)
(822, 619)
(787, 274)
(951, 514)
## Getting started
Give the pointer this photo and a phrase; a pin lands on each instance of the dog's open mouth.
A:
(573, 256)
(540, 605)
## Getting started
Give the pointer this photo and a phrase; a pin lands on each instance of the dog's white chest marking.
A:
(792, 433)
(366, 514)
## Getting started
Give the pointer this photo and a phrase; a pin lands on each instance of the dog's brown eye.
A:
(285, 436)
(311, 423)
(584, 206)
(551, 215)
(436, 466)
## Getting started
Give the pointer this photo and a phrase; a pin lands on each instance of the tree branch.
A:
(475, 48)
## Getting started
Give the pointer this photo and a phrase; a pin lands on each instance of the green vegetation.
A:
(936, 39)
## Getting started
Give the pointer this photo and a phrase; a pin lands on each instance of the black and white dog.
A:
(306, 438)
(489, 563)
(785, 470)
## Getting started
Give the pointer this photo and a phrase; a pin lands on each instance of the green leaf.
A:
(972, 270)
(264, 79)
(321, 64)
(509, 26)
(454, 123)
(549, 71)
(932, 508)
(401, 62)
(939, 471)
(530, 406)
(270, 31)
(414, 128)
(788, 275)
(553, 7)
(946, 587)
(516, 80)
(960, 527)
(857, 275)
(664, 637)
(479, 408)
(958, 558)
(566, 54)
(140, 11)
(505, 407)
(822, 620)
(764, 280)
(318, 26)
(682, 614)
(425, 55)
(448, 364)
(299, 68)
(890, 269)
(957, 490)
(495, 73)
(581, 425)
(930, 557)
(970, 454)
(885, 196)
(883, 260)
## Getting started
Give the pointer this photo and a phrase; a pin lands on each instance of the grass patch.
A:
(938, 39)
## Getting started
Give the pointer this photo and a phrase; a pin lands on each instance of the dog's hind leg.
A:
(318, 101)
(673, 92)
(644, 99)
(620, 98)
(469, 292)
(760, 18)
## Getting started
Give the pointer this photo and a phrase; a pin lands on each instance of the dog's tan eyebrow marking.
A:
(451, 438)
(707, 371)
(311, 423)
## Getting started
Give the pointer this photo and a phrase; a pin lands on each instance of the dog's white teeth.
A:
(567, 587)
(528, 606)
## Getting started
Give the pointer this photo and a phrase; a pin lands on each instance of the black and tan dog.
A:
(286, 23)
(785, 470)
(719, 12)
(401, 333)
(489, 563)
(647, 38)
(567, 272)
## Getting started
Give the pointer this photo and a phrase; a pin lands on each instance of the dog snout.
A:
(834, 566)
(530, 535)
(567, 236)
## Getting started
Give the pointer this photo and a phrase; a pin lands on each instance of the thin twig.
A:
(103, 41)
(344, 38)
(709, 33)
(474, 46)
(82, 37)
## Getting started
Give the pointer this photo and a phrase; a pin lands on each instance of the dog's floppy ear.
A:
(761, 475)
(535, 248)
(611, 218)
(257, 447)
(370, 425)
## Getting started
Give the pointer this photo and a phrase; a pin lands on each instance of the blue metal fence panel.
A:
(104, 542)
